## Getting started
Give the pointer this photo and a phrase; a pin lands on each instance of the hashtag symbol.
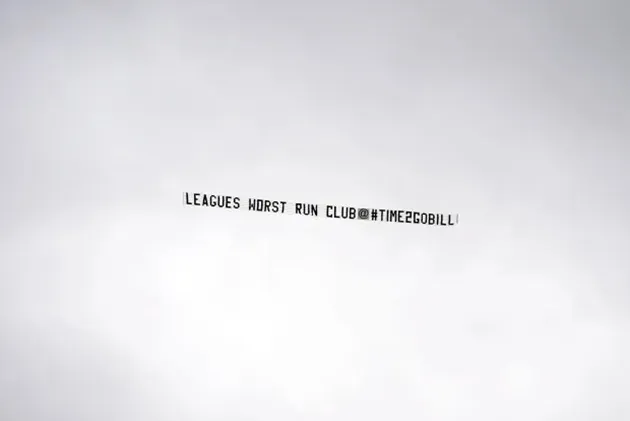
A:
(374, 215)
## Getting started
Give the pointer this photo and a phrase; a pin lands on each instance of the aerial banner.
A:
(402, 216)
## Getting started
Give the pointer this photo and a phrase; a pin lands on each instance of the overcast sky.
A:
(119, 303)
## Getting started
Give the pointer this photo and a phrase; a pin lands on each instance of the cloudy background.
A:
(119, 303)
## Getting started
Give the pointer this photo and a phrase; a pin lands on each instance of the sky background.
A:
(119, 303)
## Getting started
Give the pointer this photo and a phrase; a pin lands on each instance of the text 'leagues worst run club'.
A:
(316, 210)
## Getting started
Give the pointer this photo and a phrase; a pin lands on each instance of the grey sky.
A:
(118, 303)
